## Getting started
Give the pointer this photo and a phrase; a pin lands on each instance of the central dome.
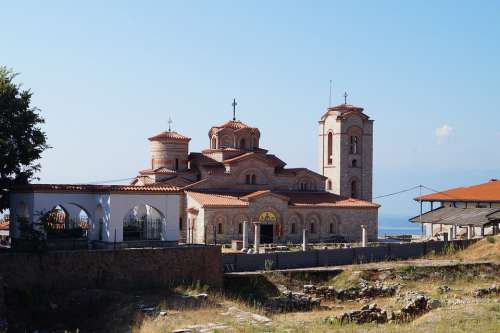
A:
(234, 134)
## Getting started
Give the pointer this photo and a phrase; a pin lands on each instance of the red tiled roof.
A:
(161, 170)
(294, 171)
(486, 192)
(169, 135)
(164, 188)
(233, 124)
(217, 200)
(259, 194)
(297, 199)
(269, 158)
(345, 107)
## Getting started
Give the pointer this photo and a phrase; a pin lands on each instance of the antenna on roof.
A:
(169, 124)
(330, 98)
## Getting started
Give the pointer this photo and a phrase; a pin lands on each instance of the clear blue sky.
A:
(108, 76)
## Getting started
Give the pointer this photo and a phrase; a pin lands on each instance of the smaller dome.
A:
(169, 135)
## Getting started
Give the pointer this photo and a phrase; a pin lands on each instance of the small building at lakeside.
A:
(465, 212)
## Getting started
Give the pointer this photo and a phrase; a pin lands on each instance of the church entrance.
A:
(266, 233)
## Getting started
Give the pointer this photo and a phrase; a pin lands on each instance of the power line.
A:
(95, 182)
(398, 192)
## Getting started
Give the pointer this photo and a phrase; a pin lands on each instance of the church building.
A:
(235, 180)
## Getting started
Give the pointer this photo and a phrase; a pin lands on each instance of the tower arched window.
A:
(354, 144)
(254, 179)
(248, 179)
(330, 148)
(243, 144)
(354, 163)
(329, 185)
(214, 143)
(176, 164)
(354, 189)
(220, 228)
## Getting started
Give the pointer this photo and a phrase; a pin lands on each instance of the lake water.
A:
(397, 225)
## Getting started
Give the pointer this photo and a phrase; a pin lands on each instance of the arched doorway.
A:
(268, 220)
(59, 223)
(143, 222)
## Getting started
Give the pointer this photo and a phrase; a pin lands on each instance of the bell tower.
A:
(346, 151)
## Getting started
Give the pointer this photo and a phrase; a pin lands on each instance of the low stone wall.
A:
(112, 269)
(239, 262)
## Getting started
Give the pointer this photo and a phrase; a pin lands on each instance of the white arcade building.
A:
(107, 213)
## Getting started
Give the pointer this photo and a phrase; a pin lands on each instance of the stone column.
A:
(304, 239)
(364, 240)
(256, 237)
(245, 236)
(482, 231)
(469, 232)
(450, 233)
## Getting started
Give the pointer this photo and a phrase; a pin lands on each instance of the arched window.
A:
(214, 143)
(248, 180)
(354, 144)
(176, 164)
(220, 229)
(329, 185)
(255, 143)
(240, 228)
(181, 225)
(313, 228)
(330, 148)
(254, 179)
(243, 144)
(294, 229)
(354, 189)
(354, 163)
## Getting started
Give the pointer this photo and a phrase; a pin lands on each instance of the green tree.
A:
(21, 139)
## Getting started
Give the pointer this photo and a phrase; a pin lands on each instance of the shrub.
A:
(491, 239)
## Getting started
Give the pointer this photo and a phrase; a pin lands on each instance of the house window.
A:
(354, 144)
(220, 229)
(294, 228)
(330, 148)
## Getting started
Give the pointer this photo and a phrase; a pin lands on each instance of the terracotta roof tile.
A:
(486, 192)
(164, 188)
(217, 200)
(233, 124)
(4, 226)
(169, 135)
(297, 199)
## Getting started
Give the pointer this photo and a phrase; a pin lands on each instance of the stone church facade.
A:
(235, 180)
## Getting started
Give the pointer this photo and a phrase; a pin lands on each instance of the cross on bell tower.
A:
(234, 108)
(345, 97)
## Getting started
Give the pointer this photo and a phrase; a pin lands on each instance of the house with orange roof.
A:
(471, 211)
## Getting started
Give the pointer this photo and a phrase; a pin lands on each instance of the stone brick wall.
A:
(112, 269)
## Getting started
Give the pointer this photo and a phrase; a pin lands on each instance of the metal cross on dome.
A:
(345, 97)
(169, 124)
(234, 108)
